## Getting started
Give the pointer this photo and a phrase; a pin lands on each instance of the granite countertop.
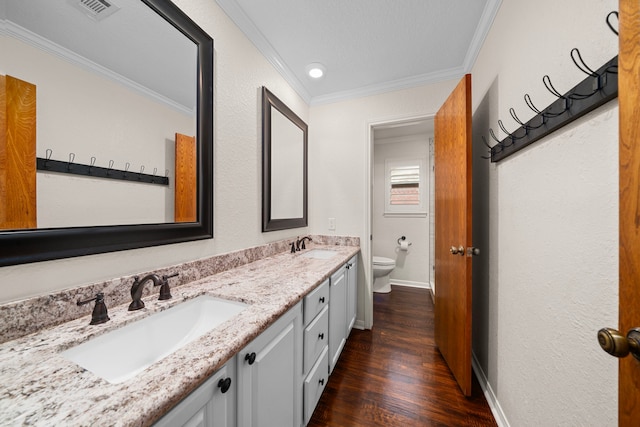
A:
(40, 387)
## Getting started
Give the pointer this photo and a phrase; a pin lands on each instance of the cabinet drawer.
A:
(316, 338)
(315, 301)
(314, 385)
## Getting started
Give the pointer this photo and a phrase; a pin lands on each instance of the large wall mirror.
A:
(284, 166)
(115, 83)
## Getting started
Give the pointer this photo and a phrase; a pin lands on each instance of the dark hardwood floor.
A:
(393, 375)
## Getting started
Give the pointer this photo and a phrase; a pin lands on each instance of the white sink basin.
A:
(320, 254)
(121, 354)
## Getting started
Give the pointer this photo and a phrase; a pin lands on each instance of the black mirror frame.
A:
(27, 246)
(268, 224)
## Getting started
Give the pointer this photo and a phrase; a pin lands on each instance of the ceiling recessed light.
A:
(315, 70)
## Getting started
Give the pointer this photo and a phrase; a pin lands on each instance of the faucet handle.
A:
(165, 290)
(99, 314)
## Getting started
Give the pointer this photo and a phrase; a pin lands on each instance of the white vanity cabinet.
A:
(213, 404)
(269, 372)
(343, 303)
(337, 315)
(316, 339)
(352, 292)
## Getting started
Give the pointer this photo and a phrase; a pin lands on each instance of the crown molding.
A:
(390, 86)
(246, 25)
(486, 21)
(11, 29)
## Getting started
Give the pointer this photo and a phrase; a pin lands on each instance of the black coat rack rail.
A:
(48, 165)
(598, 88)
(560, 113)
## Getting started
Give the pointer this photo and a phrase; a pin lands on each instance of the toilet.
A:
(382, 268)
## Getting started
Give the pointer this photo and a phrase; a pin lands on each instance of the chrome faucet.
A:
(300, 243)
(136, 290)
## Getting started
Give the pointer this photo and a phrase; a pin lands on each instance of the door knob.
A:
(616, 344)
(457, 251)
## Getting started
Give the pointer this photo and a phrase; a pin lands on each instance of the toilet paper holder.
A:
(402, 238)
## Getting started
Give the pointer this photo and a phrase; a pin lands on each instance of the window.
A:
(405, 187)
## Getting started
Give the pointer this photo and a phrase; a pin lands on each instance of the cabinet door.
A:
(337, 316)
(270, 375)
(213, 404)
(352, 292)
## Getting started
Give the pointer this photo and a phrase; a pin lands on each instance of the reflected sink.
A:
(123, 353)
(320, 254)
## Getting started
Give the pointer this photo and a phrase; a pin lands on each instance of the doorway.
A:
(400, 191)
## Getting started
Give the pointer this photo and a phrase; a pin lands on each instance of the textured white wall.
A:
(240, 72)
(554, 222)
(411, 265)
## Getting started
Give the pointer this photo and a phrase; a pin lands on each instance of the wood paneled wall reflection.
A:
(17, 154)
(186, 179)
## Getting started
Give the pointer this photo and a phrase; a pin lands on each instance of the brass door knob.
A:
(613, 342)
(457, 251)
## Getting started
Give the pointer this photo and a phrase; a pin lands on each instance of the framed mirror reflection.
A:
(119, 99)
(284, 166)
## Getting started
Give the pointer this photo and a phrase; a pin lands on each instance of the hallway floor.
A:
(393, 375)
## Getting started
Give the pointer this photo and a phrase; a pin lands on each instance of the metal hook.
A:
(609, 24)
(154, 171)
(110, 167)
(497, 148)
(502, 145)
(93, 162)
(490, 148)
(582, 66)
(126, 167)
(72, 157)
(511, 135)
(47, 156)
(527, 127)
(547, 83)
(486, 143)
(529, 102)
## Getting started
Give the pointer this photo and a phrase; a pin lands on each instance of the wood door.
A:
(629, 99)
(453, 231)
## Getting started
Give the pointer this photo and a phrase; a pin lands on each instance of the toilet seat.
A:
(382, 261)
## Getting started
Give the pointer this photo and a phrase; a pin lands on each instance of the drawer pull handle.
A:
(321, 336)
(224, 384)
(321, 381)
(250, 357)
(321, 299)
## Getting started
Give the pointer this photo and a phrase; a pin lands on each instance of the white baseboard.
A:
(409, 283)
(492, 399)
(359, 324)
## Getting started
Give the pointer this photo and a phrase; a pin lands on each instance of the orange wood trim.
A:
(186, 183)
(629, 145)
(17, 154)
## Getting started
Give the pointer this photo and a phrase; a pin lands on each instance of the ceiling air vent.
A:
(95, 9)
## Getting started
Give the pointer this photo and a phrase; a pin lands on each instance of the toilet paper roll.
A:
(404, 245)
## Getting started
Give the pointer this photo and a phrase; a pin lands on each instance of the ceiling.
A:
(366, 46)
(123, 46)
